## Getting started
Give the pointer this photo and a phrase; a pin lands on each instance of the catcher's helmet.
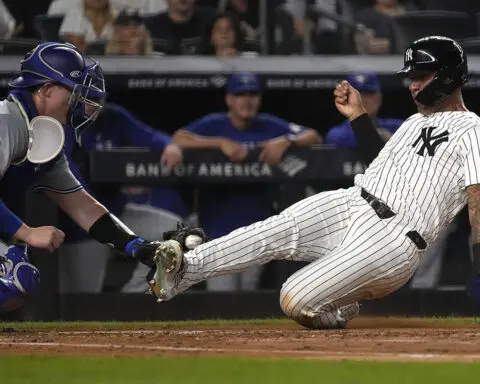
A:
(441, 55)
(64, 64)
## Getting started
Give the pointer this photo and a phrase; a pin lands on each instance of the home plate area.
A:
(394, 339)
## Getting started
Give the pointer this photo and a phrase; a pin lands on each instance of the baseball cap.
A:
(127, 16)
(243, 82)
(364, 81)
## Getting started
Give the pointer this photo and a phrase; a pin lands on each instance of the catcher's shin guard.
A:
(18, 278)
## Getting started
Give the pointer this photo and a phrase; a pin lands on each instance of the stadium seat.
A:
(415, 25)
(48, 26)
(17, 46)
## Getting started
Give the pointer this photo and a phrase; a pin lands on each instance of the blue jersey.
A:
(342, 135)
(225, 208)
(116, 127)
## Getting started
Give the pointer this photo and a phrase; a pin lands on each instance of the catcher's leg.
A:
(373, 261)
(18, 278)
(305, 231)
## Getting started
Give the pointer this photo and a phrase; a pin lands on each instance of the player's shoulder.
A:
(216, 117)
(415, 117)
(266, 118)
(9, 119)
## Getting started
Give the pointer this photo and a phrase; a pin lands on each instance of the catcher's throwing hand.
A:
(348, 101)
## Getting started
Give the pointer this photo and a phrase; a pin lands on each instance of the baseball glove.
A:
(188, 237)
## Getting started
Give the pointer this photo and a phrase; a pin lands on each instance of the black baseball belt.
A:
(383, 211)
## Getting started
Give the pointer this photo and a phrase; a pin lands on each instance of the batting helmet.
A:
(441, 55)
(64, 64)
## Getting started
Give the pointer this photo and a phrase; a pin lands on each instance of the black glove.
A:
(181, 233)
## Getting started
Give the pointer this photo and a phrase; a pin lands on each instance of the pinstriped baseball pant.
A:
(354, 255)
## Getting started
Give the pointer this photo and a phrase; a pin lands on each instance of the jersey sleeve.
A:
(470, 154)
(205, 126)
(58, 179)
(133, 131)
(282, 127)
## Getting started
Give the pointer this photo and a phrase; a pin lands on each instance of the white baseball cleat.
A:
(169, 261)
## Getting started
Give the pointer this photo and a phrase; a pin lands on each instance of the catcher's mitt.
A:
(188, 237)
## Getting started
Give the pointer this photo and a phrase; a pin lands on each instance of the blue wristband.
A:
(10, 223)
(130, 247)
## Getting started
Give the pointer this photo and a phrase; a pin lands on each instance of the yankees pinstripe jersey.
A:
(423, 170)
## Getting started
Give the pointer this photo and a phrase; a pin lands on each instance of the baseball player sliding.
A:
(364, 242)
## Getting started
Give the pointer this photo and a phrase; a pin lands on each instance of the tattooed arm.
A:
(473, 283)
(473, 193)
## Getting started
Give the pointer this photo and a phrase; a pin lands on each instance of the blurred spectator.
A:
(380, 37)
(61, 7)
(88, 22)
(247, 12)
(147, 211)
(226, 37)
(145, 7)
(7, 22)
(183, 29)
(224, 208)
(368, 85)
(130, 36)
(325, 33)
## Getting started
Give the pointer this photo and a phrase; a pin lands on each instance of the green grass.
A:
(39, 370)
(436, 321)
(102, 325)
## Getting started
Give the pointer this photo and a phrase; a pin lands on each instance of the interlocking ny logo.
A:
(430, 143)
(409, 54)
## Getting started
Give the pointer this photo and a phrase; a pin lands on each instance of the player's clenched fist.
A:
(348, 100)
(48, 237)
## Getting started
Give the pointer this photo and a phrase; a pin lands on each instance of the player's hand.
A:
(348, 101)
(233, 150)
(172, 155)
(273, 150)
(48, 237)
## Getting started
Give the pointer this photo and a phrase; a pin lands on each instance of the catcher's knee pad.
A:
(18, 278)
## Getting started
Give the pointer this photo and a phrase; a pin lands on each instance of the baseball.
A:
(191, 241)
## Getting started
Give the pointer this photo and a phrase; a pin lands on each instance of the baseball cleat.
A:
(168, 260)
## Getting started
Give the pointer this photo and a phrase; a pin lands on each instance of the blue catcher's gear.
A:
(18, 278)
(64, 64)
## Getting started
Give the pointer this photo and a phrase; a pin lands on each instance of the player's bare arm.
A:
(233, 150)
(273, 150)
(188, 140)
(473, 196)
(80, 206)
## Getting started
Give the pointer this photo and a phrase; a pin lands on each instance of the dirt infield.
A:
(366, 338)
